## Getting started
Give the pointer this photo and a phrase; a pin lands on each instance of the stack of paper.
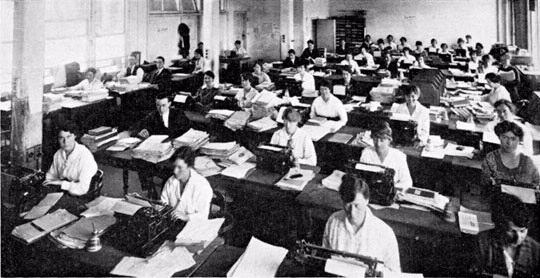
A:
(44, 205)
(99, 138)
(259, 260)
(95, 95)
(192, 138)
(199, 231)
(296, 179)
(262, 124)
(124, 144)
(153, 150)
(342, 138)
(221, 114)
(239, 171)
(77, 234)
(220, 150)
(238, 120)
(435, 148)
(206, 166)
(456, 150)
(240, 156)
(383, 94)
(168, 260)
(333, 181)
(34, 230)
(317, 120)
(108, 206)
(265, 98)
(473, 222)
(425, 198)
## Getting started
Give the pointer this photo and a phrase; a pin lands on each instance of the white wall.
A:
(163, 35)
(422, 20)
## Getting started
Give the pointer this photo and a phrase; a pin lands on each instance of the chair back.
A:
(218, 208)
(96, 184)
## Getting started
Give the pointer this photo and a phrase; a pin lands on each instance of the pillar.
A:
(286, 27)
(211, 31)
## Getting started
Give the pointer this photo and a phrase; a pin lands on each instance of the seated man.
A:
(205, 95)
(507, 250)
(132, 70)
(187, 191)
(310, 53)
(239, 50)
(291, 61)
(356, 230)
(201, 64)
(163, 121)
(73, 164)
(328, 105)
(365, 56)
(351, 85)
(161, 76)
(308, 81)
(351, 63)
(91, 83)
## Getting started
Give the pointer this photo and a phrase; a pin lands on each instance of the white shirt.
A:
(88, 86)
(396, 160)
(527, 146)
(375, 238)
(353, 64)
(240, 51)
(332, 109)
(194, 201)
(497, 94)
(420, 116)
(407, 59)
(76, 170)
(308, 81)
(392, 45)
(139, 73)
(302, 145)
(244, 100)
(201, 65)
(368, 57)
(165, 117)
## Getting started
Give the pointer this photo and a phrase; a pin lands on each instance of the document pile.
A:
(434, 148)
(457, 150)
(124, 144)
(383, 94)
(95, 95)
(220, 150)
(44, 206)
(426, 198)
(239, 171)
(262, 124)
(221, 114)
(99, 138)
(108, 206)
(238, 120)
(296, 179)
(333, 181)
(205, 166)
(259, 260)
(239, 157)
(199, 232)
(153, 149)
(194, 139)
(77, 234)
(472, 221)
(340, 138)
(265, 98)
(34, 230)
(168, 260)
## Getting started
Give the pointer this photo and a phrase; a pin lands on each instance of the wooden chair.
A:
(96, 184)
(218, 208)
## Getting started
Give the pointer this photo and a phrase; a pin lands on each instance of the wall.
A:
(163, 35)
(422, 20)
(305, 11)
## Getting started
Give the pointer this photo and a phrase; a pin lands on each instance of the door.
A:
(240, 28)
(326, 34)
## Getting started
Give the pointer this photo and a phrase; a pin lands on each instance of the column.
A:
(211, 32)
(286, 27)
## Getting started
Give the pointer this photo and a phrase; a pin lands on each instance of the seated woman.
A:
(507, 250)
(328, 106)
(433, 47)
(508, 163)
(248, 93)
(73, 164)
(365, 56)
(291, 136)
(498, 91)
(486, 65)
(506, 112)
(91, 83)
(205, 95)
(383, 154)
(187, 191)
(262, 77)
(308, 81)
(407, 58)
(349, 61)
(510, 77)
(201, 64)
(418, 112)
(356, 230)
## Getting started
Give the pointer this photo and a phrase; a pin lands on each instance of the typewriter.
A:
(143, 233)
(294, 86)
(25, 187)
(527, 189)
(379, 178)
(225, 102)
(403, 133)
(274, 158)
(315, 258)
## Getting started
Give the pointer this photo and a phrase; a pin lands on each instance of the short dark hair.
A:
(433, 40)
(468, 36)
(509, 208)
(419, 43)
(161, 57)
(326, 83)
(310, 41)
(381, 129)
(389, 36)
(493, 77)
(92, 70)
(460, 40)
(352, 185)
(198, 51)
(248, 77)
(163, 95)
(506, 126)
(407, 90)
(403, 39)
(210, 74)
(68, 126)
(506, 102)
(479, 45)
(291, 114)
(379, 41)
(237, 42)
(291, 51)
(406, 48)
(368, 35)
(186, 154)
(444, 45)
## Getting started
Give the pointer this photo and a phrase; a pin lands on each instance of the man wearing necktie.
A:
(161, 76)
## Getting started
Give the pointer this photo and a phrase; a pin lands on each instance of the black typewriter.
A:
(379, 178)
(498, 188)
(25, 187)
(294, 86)
(225, 102)
(404, 133)
(274, 158)
(143, 233)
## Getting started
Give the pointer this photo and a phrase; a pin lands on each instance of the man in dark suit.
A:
(310, 53)
(161, 76)
(163, 121)
(291, 61)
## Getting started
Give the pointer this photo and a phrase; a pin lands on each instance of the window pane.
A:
(110, 16)
(170, 5)
(155, 5)
(65, 29)
(110, 47)
(62, 51)
(6, 68)
(189, 6)
(6, 20)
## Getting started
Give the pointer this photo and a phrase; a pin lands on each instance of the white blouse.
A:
(396, 160)
(194, 201)
(308, 81)
(302, 145)
(420, 116)
(497, 94)
(245, 99)
(333, 108)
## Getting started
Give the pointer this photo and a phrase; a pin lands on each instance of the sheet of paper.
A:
(436, 153)
(316, 132)
(180, 98)
(468, 223)
(239, 171)
(270, 148)
(198, 230)
(379, 207)
(44, 205)
(54, 220)
(465, 126)
(490, 137)
(126, 207)
(103, 207)
(345, 268)
(259, 260)
(339, 90)
(526, 195)
(457, 150)
(368, 168)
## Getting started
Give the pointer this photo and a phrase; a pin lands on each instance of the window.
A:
(174, 6)
(6, 45)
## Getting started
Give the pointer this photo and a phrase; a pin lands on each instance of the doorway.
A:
(240, 27)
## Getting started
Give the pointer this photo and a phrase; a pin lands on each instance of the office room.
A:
(250, 138)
